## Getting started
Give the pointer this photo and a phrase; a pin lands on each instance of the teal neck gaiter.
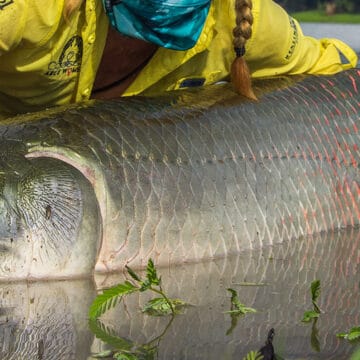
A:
(172, 24)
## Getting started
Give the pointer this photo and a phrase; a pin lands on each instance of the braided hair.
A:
(240, 73)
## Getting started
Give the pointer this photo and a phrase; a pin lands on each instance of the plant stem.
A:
(160, 292)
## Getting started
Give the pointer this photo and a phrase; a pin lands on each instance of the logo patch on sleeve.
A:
(294, 39)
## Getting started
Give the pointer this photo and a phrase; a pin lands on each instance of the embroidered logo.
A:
(69, 60)
(4, 3)
(294, 40)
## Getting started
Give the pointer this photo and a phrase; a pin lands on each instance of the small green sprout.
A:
(125, 349)
(352, 334)
(315, 293)
(237, 308)
(310, 315)
(159, 306)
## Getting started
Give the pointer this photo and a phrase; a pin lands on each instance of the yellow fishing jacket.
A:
(277, 46)
(46, 60)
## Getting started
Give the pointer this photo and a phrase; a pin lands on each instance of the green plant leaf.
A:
(106, 334)
(132, 273)
(241, 310)
(142, 352)
(315, 293)
(151, 274)
(235, 303)
(109, 298)
(237, 308)
(234, 295)
(315, 290)
(353, 334)
(125, 356)
(145, 285)
(309, 315)
(161, 307)
(253, 355)
(103, 355)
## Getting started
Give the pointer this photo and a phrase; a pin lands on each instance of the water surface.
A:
(349, 33)
(48, 320)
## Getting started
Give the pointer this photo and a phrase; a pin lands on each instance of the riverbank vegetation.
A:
(330, 7)
(320, 17)
(330, 11)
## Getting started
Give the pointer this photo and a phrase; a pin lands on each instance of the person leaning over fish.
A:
(56, 52)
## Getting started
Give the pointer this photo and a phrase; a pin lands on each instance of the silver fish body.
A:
(181, 177)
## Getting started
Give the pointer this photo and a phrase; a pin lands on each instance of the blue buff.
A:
(173, 24)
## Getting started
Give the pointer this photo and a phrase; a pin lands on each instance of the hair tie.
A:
(239, 51)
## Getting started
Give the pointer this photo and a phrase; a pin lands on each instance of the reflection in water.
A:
(287, 272)
(122, 346)
(267, 351)
(45, 320)
(48, 320)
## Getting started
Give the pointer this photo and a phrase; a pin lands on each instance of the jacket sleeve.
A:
(278, 46)
(12, 23)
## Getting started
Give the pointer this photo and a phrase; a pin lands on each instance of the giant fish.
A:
(179, 177)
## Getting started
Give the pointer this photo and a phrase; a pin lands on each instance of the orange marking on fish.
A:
(353, 81)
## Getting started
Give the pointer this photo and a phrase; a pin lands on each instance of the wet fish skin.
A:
(181, 177)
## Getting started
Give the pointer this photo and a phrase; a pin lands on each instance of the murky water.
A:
(349, 33)
(48, 320)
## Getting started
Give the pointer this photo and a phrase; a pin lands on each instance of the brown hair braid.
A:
(240, 73)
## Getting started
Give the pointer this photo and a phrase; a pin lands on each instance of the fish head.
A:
(49, 219)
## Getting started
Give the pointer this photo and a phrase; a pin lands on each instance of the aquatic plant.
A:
(315, 293)
(236, 309)
(352, 334)
(124, 349)
(158, 306)
(253, 355)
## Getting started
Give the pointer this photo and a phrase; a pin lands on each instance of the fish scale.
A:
(189, 175)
